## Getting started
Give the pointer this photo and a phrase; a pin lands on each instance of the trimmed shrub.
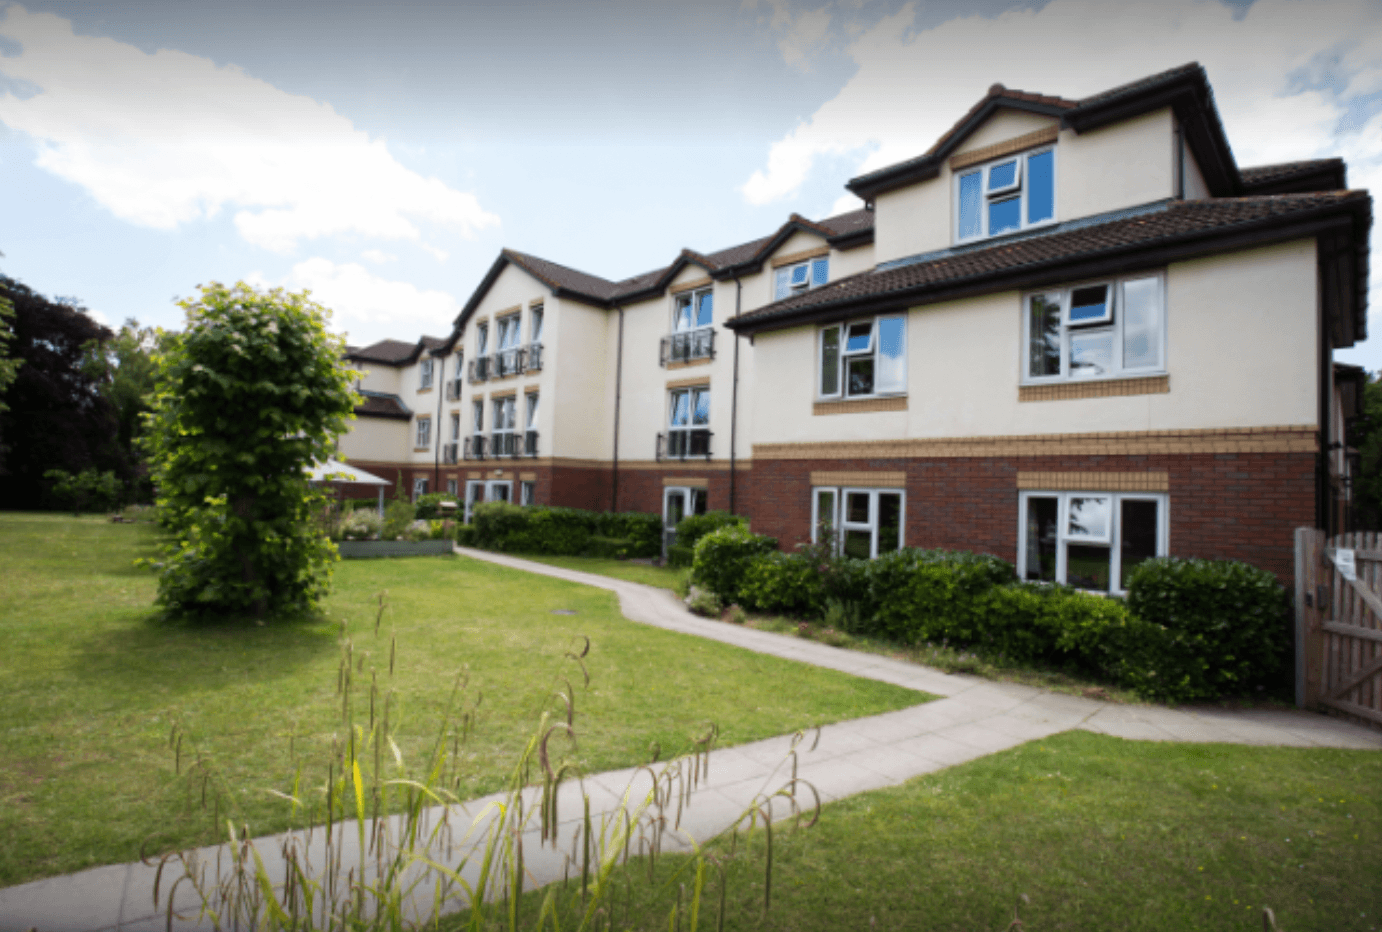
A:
(643, 531)
(787, 584)
(1217, 627)
(465, 535)
(691, 529)
(927, 595)
(398, 514)
(617, 548)
(429, 505)
(723, 556)
(563, 531)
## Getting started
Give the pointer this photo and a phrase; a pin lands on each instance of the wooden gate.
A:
(1339, 622)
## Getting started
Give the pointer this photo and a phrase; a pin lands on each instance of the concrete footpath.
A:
(975, 717)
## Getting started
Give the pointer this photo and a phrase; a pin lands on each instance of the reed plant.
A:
(347, 863)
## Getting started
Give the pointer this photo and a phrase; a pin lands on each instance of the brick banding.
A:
(1109, 388)
(1095, 481)
(860, 406)
(795, 257)
(1007, 147)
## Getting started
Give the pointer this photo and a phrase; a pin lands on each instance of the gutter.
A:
(618, 396)
(734, 399)
(436, 438)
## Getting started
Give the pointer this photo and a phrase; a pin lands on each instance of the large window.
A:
(530, 425)
(862, 523)
(1096, 330)
(688, 423)
(533, 360)
(793, 279)
(503, 439)
(863, 358)
(1006, 195)
(419, 487)
(693, 310)
(425, 373)
(424, 433)
(1089, 540)
(506, 353)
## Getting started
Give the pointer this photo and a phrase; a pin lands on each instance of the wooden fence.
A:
(1339, 622)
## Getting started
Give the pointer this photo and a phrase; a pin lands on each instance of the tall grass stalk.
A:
(380, 846)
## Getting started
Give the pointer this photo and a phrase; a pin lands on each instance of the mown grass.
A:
(1098, 832)
(94, 681)
(664, 577)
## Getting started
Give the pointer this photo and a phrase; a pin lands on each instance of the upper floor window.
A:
(688, 423)
(791, 279)
(535, 325)
(1096, 330)
(477, 415)
(424, 432)
(693, 310)
(1005, 196)
(508, 332)
(863, 358)
(481, 339)
(425, 373)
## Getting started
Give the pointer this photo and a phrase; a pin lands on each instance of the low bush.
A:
(360, 525)
(429, 506)
(784, 584)
(563, 531)
(722, 558)
(87, 490)
(465, 535)
(398, 514)
(691, 529)
(926, 595)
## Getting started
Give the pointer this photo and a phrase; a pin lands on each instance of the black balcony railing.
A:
(504, 443)
(506, 362)
(474, 447)
(532, 361)
(480, 369)
(449, 452)
(680, 443)
(686, 346)
(453, 389)
(530, 443)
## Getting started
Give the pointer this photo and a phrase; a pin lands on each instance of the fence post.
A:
(1309, 547)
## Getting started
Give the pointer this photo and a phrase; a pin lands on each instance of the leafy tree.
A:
(101, 490)
(251, 394)
(124, 366)
(1365, 435)
(9, 368)
(58, 416)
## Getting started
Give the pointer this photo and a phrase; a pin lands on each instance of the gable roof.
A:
(386, 352)
(1185, 89)
(1117, 242)
(382, 404)
(1295, 177)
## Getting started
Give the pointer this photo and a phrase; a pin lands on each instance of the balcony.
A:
(480, 369)
(474, 447)
(687, 345)
(449, 452)
(506, 362)
(530, 443)
(533, 358)
(680, 444)
(505, 443)
(453, 389)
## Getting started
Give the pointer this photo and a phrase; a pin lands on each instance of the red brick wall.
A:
(1240, 506)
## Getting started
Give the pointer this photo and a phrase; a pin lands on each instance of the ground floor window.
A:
(862, 523)
(1089, 540)
(478, 490)
(528, 492)
(451, 487)
(419, 486)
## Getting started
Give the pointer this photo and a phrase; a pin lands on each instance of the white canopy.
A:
(336, 471)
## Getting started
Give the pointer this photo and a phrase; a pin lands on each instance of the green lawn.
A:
(664, 577)
(94, 682)
(1099, 833)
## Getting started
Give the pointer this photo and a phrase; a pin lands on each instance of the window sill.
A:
(422, 449)
(424, 391)
(1095, 388)
(861, 405)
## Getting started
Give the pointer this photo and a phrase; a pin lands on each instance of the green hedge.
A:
(1190, 629)
(428, 506)
(691, 529)
(562, 531)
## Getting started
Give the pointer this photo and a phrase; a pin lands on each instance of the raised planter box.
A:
(365, 549)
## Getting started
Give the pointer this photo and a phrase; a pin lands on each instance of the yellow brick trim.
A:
(422, 450)
(516, 309)
(531, 389)
(503, 393)
(668, 466)
(703, 361)
(1106, 388)
(528, 476)
(536, 302)
(795, 257)
(691, 285)
(860, 406)
(1285, 439)
(1095, 481)
(683, 480)
(499, 474)
(869, 480)
(425, 391)
(699, 381)
(474, 475)
(1007, 147)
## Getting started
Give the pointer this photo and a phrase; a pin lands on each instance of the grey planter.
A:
(365, 549)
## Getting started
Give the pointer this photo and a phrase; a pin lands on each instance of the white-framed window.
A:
(792, 279)
(451, 487)
(419, 487)
(693, 310)
(1095, 330)
(424, 432)
(502, 435)
(508, 331)
(862, 358)
(530, 425)
(481, 338)
(1005, 195)
(477, 416)
(527, 491)
(862, 523)
(455, 425)
(535, 324)
(479, 490)
(424, 376)
(1089, 540)
(688, 422)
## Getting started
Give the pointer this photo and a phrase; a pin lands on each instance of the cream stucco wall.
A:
(378, 378)
(375, 438)
(1195, 185)
(582, 374)
(1122, 165)
(1240, 349)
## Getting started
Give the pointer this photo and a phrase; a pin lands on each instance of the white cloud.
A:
(368, 307)
(378, 256)
(168, 138)
(805, 33)
(912, 85)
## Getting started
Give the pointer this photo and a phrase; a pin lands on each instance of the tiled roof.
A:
(1167, 222)
(996, 94)
(382, 404)
(1265, 175)
(389, 352)
(1138, 86)
(559, 276)
(852, 222)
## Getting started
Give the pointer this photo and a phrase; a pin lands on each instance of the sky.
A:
(381, 155)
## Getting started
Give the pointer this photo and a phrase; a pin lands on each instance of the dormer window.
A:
(794, 279)
(1006, 195)
(425, 374)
